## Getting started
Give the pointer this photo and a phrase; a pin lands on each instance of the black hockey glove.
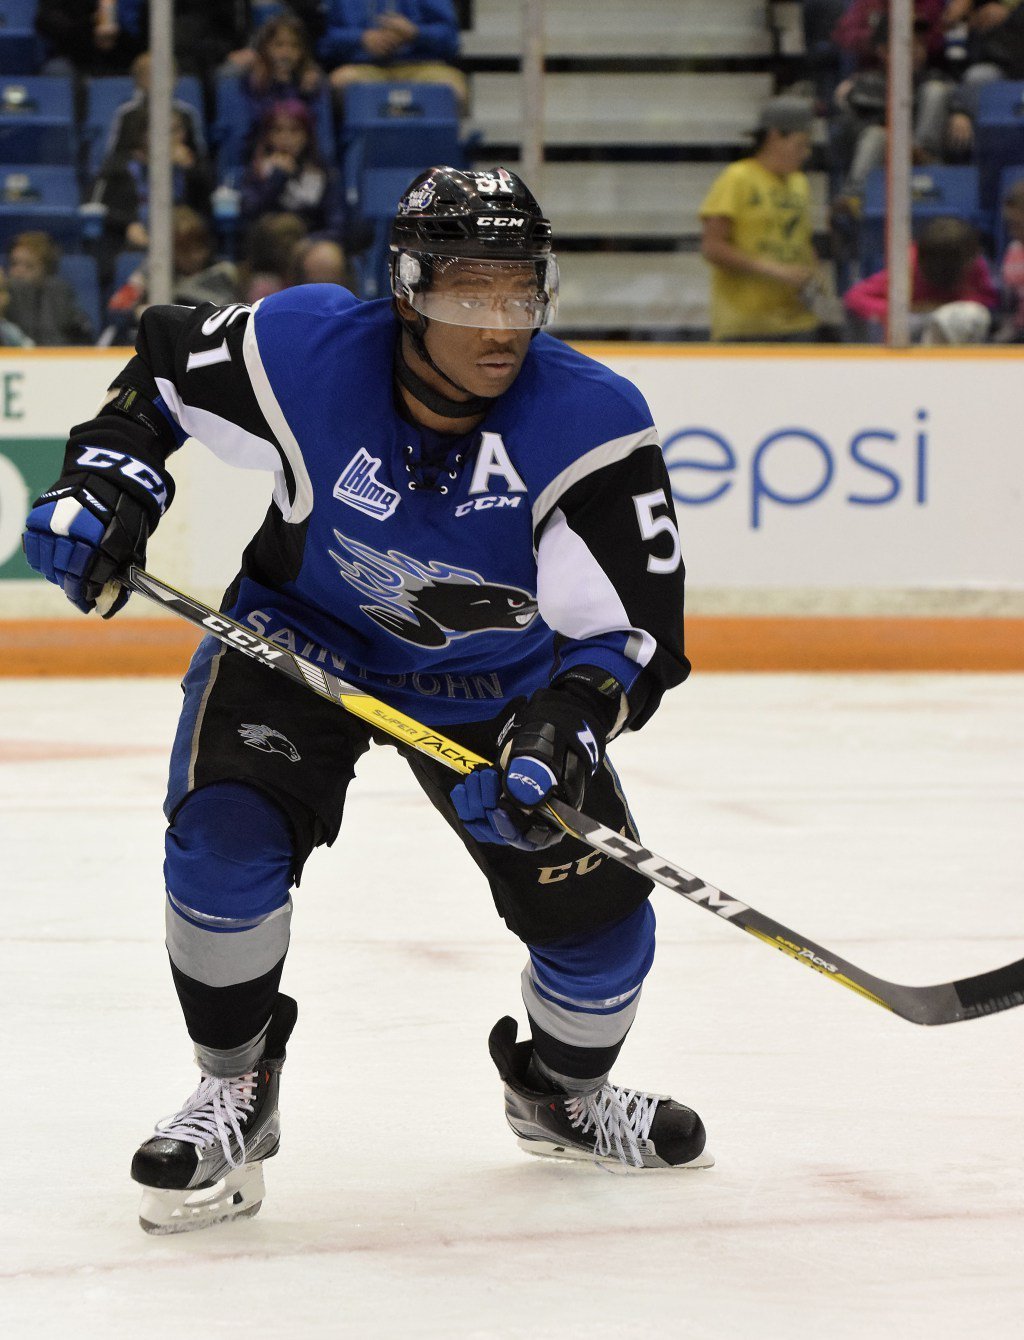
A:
(96, 520)
(552, 746)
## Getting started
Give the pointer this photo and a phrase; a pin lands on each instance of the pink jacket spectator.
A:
(854, 34)
(1013, 280)
(870, 297)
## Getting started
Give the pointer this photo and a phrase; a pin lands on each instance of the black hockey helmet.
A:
(489, 217)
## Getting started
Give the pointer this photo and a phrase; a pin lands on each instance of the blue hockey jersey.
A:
(445, 574)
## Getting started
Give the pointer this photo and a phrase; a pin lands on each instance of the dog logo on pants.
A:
(269, 740)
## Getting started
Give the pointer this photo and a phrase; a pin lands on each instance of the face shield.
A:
(485, 294)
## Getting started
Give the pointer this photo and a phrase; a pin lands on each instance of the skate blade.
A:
(239, 1195)
(547, 1149)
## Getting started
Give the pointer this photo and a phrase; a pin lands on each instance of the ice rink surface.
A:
(870, 1176)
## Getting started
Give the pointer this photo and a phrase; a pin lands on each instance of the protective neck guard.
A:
(427, 395)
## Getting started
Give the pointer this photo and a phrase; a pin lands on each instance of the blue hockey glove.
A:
(555, 745)
(94, 522)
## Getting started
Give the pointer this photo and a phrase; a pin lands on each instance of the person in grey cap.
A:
(757, 233)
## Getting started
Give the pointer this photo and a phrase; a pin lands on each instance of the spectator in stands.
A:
(85, 36)
(320, 261)
(207, 33)
(757, 234)
(942, 128)
(124, 126)
(42, 303)
(994, 40)
(946, 267)
(285, 172)
(123, 184)
(282, 67)
(1011, 330)
(197, 277)
(268, 255)
(404, 40)
(856, 32)
(11, 336)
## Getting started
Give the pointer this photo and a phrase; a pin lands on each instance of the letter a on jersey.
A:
(492, 459)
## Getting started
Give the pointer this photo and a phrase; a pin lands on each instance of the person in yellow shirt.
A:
(757, 234)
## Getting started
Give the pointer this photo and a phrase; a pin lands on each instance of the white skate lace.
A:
(619, 1118)
(214, 1112)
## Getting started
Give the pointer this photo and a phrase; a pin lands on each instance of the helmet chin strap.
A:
(428, 396)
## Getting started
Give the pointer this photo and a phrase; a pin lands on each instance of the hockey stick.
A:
(946, 1003)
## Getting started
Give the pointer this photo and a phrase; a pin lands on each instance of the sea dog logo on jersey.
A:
(268, 740)
(359, 487)
(430, 604)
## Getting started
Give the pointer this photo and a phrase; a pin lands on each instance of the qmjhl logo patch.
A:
(359, 487)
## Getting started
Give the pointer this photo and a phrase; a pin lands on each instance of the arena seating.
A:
(934, 191)
(42, 196)
(999, 133)
(37, 120)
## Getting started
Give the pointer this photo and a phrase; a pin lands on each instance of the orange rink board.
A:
(714, 643)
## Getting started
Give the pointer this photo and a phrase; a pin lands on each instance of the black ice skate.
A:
(622, 1129)
(204, 1165)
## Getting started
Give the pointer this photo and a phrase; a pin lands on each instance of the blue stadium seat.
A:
(125, 265)
(81, 274)
(230, 130)
(379, 194)
(17, 13)
(934, 191)
(105, 95)
(44, 197)
(411, 126)
(37, 123)
(21, 51)
(999, 132)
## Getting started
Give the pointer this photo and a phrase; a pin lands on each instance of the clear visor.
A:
(489, 295)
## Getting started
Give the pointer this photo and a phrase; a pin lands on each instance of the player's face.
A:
(485, 361)
(482, 317)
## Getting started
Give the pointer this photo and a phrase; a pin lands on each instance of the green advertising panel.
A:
(27, 466)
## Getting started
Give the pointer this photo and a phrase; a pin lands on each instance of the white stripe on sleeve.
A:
(232, 444)
(575, 594)
(608, 453)
(302, 503)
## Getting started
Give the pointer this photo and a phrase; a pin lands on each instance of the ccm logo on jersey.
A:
(484, 504)
(102, 458)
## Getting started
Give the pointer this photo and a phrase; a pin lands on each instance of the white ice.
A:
(870, 1176)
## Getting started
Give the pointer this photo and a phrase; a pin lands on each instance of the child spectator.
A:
(757, 234)
(946, 266)
(412, 41)
(43, 304)
(197, 277)
(1012, 268)
(268, 256)
(320, 261)
(285, 172)
(11, 336)
(124, 126)
(123, 183)
(282, 67)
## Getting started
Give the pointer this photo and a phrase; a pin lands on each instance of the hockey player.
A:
(475, 522)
